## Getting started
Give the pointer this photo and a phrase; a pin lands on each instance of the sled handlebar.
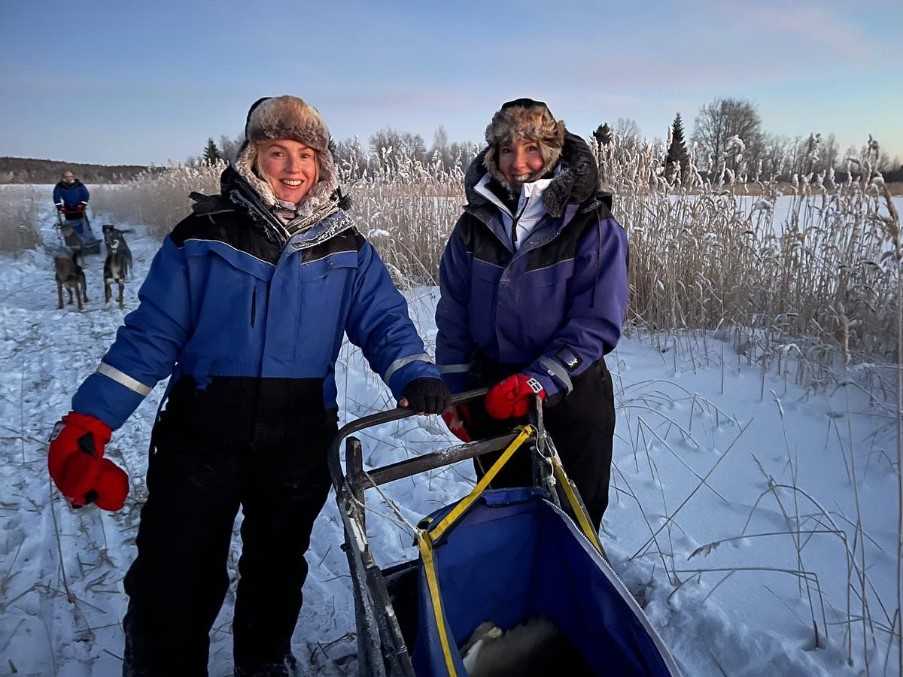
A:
(406, 468)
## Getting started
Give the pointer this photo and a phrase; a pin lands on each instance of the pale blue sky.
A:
(141, 82)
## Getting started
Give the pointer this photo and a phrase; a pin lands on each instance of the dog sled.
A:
(506, 556)
(77, 234)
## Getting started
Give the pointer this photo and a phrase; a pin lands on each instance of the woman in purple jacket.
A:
(533, 295)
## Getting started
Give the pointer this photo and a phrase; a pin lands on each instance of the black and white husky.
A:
(116, 266)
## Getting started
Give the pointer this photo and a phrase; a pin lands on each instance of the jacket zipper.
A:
(253, 305)
(514, 224)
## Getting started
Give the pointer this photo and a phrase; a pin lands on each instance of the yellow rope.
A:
(426, 538)
(576, 506)
(429, 566)
(464, 504)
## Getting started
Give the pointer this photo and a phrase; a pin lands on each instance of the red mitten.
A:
(76, 464)
(112, 486)
(511, 398)
(456, 418)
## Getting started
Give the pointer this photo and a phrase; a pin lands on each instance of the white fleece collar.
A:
(530, 206)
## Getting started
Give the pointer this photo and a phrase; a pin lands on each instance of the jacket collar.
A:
(529, 212)
(530, 192)
(323, 223)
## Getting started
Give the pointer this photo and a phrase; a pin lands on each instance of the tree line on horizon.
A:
(35, 170)
(729, 132)
(728, 135)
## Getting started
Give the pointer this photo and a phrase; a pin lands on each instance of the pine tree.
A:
(602, 134)
(211, 154)
(677, 150)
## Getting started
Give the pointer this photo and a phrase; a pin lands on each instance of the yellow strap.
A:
(426, 555)
(455, 514)
(576, 506)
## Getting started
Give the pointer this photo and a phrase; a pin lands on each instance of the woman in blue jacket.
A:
(533, 295)
(245, 306)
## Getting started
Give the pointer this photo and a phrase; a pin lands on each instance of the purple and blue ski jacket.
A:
(551, 307)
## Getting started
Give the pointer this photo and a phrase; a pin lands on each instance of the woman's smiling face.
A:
(520, 161)
(290, 167)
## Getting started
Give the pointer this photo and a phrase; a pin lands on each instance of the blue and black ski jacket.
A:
(71, 199)
(227, 307)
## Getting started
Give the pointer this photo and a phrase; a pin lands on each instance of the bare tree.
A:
(387, 142)
(774, 155)
(721, 120)
(440, 147)
(351, 158)
(830, 154)
(229, 146)
(462, 153)
(627, 130)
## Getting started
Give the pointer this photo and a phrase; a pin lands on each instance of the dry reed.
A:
(809, 272)
(18, 218)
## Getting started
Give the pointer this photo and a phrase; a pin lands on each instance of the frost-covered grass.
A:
(803, 268)
(159, 200)
(18, 218)
(809, 271)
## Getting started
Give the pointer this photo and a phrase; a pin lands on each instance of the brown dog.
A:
(69, 274)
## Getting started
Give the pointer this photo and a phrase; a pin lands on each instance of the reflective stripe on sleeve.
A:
(454, 368)
(123, 379)
(403, 362)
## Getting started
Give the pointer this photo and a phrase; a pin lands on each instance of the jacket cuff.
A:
(553, 374)
(402, 376)
(458, 377)
(106, 399)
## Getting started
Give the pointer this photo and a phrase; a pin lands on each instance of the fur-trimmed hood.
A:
(577, 181)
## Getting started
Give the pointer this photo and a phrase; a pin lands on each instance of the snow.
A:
(689, 409)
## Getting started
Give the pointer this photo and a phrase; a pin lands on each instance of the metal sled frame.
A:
(72, 239)
(382, 651)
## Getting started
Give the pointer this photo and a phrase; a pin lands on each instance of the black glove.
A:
(426, 396)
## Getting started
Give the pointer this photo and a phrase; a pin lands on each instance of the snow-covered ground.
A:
(707, 449)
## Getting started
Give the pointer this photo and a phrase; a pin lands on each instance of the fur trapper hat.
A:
(287, 117)
(528, 120)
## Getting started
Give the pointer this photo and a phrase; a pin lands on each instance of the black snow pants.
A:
(234, 445)
(581, 425)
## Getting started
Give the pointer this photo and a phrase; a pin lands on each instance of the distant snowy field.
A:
(705, 451)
